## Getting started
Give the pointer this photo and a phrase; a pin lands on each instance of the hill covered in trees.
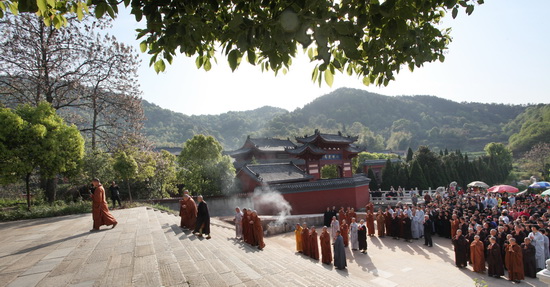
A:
(381, 122)
(167, 128)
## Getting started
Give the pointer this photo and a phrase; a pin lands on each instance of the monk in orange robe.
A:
(514, 261)
(326, 253)
(370, 223)
(249, 224)
(188, 212)
(298, 235)
(477, 255)
(344, 229)
(258, 231)
(305, 239)
(100, 209)
(313, 244)
(381, 223)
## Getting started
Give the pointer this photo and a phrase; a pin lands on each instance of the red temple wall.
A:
(318, 201)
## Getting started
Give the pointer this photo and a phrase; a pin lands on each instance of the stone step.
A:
(223, 261)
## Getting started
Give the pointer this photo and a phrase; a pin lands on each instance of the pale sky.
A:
(499, 54)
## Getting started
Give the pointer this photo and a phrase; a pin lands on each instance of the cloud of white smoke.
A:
(270, 201)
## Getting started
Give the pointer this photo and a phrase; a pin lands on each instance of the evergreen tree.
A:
(416, 176)
(373, 185)
(403, 176)
(388, 177)
(409, 154)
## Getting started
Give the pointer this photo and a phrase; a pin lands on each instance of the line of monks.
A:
(251, 230)
(308, 242)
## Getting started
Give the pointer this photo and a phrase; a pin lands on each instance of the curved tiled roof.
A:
(322, 184)
(306, 148)
(275, 173)
(328, 138)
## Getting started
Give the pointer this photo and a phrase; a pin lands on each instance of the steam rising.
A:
(270, 201)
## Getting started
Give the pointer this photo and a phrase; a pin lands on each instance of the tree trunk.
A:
(50, 187)
(129, 191)
(27, 185)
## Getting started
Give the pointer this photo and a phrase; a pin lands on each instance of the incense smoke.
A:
(270, 201)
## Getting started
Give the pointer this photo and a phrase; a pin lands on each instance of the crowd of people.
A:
(493, 232)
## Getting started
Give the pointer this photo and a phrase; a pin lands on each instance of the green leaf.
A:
(233, 59)
(199, 62)
(329, 77)
(207, 65)
(455, 12)
(251, 57)
(79, 13)
(470, 9)
(366, 81)
(160, 66)
(143, 46)
(51, 3)
(100, 9)
(42, 5)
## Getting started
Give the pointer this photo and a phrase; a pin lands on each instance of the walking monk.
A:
(344, 232)
(100, 210)
(326, 254)
(258, 231)
(188, 212)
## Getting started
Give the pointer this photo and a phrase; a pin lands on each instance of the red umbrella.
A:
(503, 188)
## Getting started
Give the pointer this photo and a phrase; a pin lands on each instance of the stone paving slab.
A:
(148, 248)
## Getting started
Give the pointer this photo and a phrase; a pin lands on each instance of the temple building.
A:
(295, 171)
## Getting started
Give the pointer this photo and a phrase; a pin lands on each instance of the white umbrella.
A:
(479, 184)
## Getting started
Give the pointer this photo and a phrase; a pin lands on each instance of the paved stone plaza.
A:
(147, 248)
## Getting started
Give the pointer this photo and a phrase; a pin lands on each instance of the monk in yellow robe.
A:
(100, 209)
(298, 235)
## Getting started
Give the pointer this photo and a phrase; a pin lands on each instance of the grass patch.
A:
(58, 208)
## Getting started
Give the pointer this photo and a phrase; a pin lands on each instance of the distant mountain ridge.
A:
(394, 122)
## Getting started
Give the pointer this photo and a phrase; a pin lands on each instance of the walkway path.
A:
(147, 248)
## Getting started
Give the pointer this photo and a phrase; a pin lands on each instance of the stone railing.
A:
(385, 199)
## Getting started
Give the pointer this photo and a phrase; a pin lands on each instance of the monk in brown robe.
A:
(305, 239)
(313, 244)
(494, 259)
(514, 261)
(258, 231)
(477, 255)
(326, 253)
(370, 223)
(246, 226)
(352, 214)
(250, 232)
(298, 236)
(188, 212)
(344, 229)
(100, 209)
(455, 223)
(381, 223)
(341, 215)
(369, 206)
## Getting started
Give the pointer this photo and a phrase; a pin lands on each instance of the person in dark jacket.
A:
(115, 194)
(340, 261)
(428, 231)
(529, 262)
(203, 219)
